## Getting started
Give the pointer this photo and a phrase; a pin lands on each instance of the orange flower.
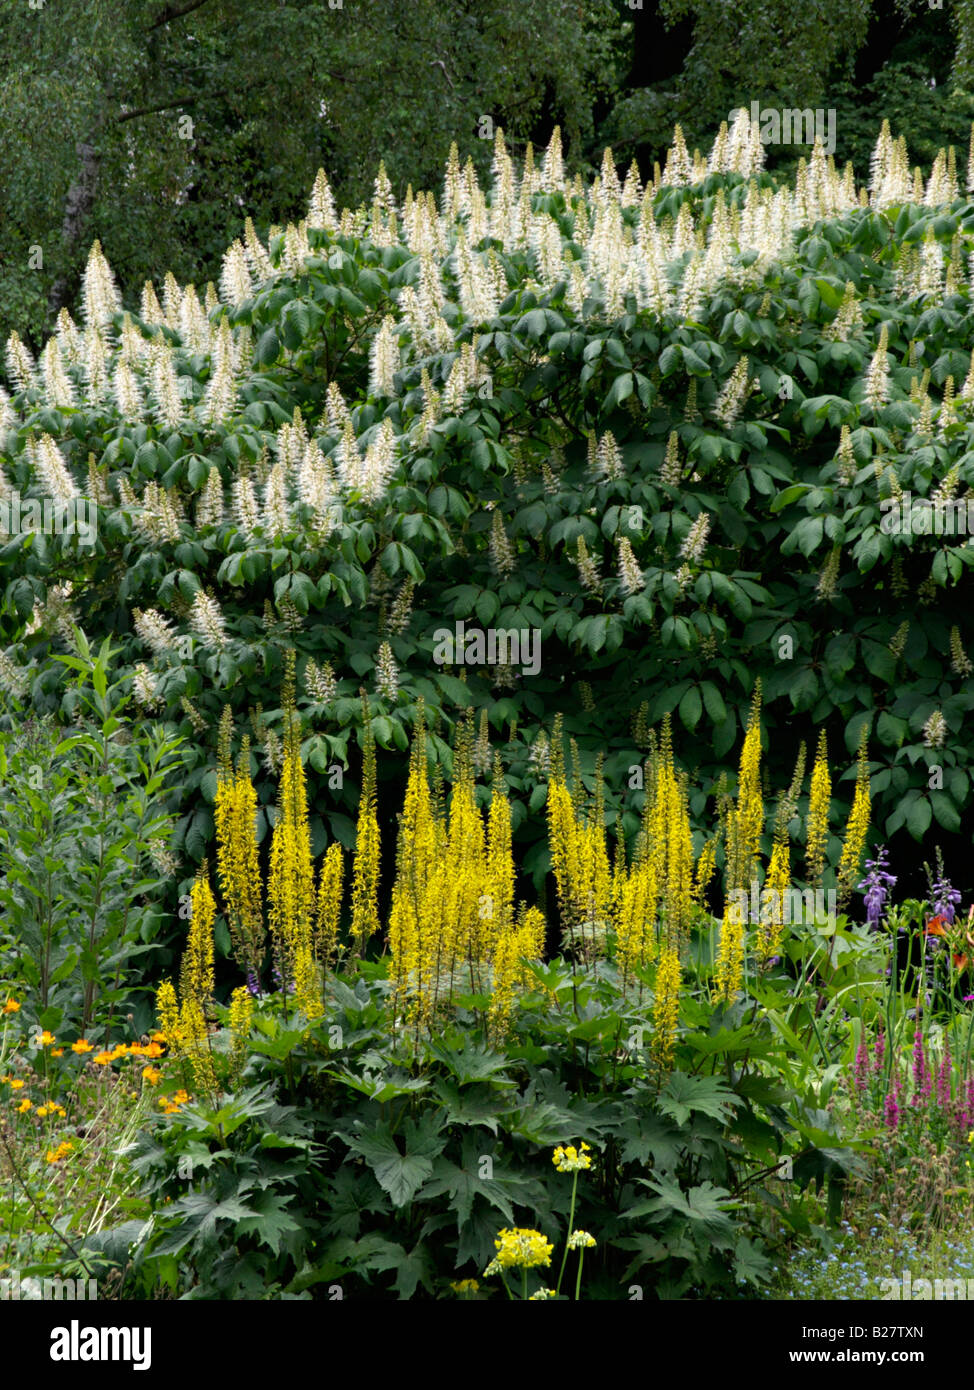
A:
(936, 926)
(44, 1039)
(82, 1046)
(11, 1007)
(158, 1037)
(57, 1051)
(103, 1058)
(152, 1074)
(24, 1106)
(16, 1083)
(153, 1050)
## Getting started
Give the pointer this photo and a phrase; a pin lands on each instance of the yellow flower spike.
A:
(856, 830)
(778, 882)
(241, 1021)
(196, 1044)
(818, 815)
(730, 955)
(291, 892)
(196, 975)
(666, 1011)
(238, 864)
(365, 881)
(168, 1009)
(329, 906)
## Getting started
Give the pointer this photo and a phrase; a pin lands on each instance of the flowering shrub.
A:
(662, 423)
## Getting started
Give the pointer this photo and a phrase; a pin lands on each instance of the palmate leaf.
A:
(704, 1205)
(751, 1265)
(683, 1095)
(400, 1174)
(352, 1193)
(271, 1223)
(653, 1142)
(203, 1212)
(463, 1184)
(479, 1105)
(472, 1063)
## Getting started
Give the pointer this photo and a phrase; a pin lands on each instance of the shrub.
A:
(84, 815)
(549, 410)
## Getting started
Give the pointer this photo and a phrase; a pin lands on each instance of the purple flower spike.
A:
(946, 899)
(861, 1065)
(877, 886)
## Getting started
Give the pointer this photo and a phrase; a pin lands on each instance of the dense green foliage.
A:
(487, 504)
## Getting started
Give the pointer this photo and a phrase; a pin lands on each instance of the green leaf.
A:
(399, 1174)
(918, 818)
(683, 1095)
(691, 708)
(268, 349)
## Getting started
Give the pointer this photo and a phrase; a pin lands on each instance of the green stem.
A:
(578, 1281)
(571, 1223)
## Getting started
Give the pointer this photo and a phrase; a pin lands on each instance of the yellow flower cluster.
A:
(568, 1159)
(745, 823)
(666, 1010)
(51, 1108)
(579, 858)
(365, 880)
(241, 1019)
(520, 1248)
(581, 1240)
(303, 922)
(818, 814)
(238, 867)
(466, 1286)
(290, 884)
(62, 1151)
(453, 927)
(171, 1104)
(856, 829)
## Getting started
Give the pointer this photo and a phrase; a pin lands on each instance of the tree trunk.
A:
(77, 209)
